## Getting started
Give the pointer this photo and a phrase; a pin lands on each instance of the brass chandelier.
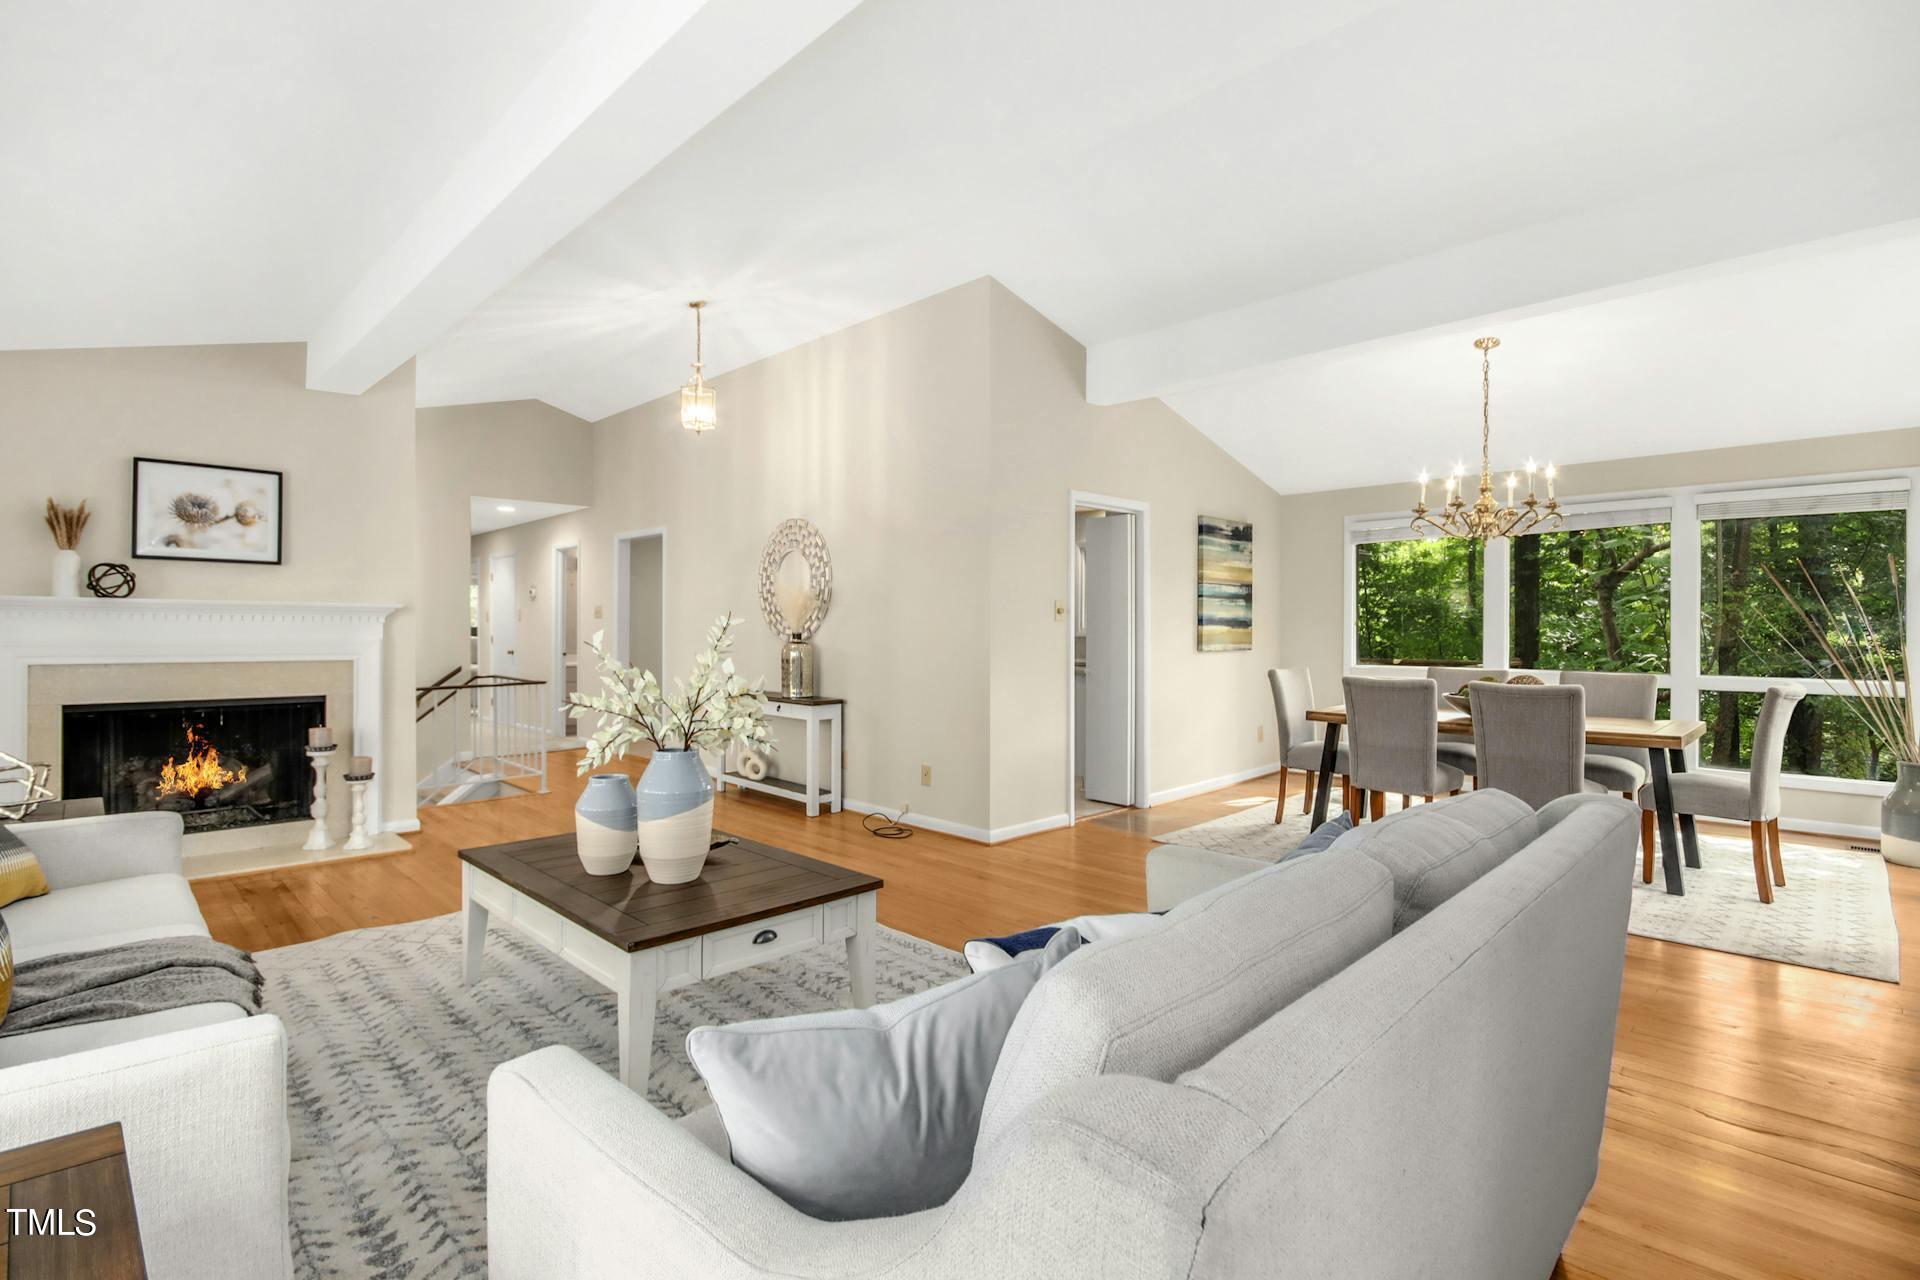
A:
(1486, 518)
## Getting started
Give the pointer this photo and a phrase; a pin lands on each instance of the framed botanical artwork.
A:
(197, 511)
(1225, 601)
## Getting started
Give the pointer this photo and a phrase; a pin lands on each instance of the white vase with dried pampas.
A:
(66, 525)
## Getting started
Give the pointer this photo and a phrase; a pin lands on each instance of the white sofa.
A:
(200, 1092)
(1433, 1108)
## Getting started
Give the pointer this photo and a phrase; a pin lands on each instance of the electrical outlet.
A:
(926, 775)
(1260, 733)
(599, 612)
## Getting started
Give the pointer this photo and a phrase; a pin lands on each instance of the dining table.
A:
(1665, 741)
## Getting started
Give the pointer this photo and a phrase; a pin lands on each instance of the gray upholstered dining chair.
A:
(1392, 731)
(1630, 695)
(1754, 800)
(1300, 746)
(1532, 740)
(1459, 752)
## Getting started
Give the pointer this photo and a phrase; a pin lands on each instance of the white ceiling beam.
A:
(631, 85)
(1841, 187)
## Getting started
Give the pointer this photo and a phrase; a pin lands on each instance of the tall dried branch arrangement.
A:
(66, 524)
(1874, 668)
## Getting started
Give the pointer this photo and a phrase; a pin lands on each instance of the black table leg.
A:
(1689, 838)
(1663, 809)
(1329, 753)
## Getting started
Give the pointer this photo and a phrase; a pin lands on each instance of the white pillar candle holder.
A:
(357, 839)
(319, 838)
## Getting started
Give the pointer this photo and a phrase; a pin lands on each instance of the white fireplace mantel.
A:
(48, 630)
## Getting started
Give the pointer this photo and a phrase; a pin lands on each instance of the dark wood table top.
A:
(805, 702)
(742, 882)
(50, 1182)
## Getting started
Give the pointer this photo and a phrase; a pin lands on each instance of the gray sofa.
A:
(1387, 1059)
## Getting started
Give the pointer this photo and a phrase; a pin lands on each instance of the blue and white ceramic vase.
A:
(675, 799)
(603, 824)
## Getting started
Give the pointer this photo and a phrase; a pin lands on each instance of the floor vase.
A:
(1900, 818)
(675, 804)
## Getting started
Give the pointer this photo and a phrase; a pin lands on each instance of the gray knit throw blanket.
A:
(130, 979)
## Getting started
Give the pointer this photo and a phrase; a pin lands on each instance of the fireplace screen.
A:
(234, 762)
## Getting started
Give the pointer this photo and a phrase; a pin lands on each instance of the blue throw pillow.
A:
(1323, 836)
(1031, 940)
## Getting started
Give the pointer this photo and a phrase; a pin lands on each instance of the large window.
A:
(1748, 629)
(1595, 599)
(1418, 602)
(1682, 585)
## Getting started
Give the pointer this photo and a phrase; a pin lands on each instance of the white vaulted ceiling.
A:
(1690, 224)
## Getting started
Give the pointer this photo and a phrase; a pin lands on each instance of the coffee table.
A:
(752, 903)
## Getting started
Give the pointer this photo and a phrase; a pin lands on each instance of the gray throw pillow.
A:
(867, 1113)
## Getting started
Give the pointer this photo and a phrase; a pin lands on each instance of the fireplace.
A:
(219, 763)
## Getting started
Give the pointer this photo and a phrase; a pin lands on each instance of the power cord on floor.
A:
(886, 828)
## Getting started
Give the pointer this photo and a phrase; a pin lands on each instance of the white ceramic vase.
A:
(66, 573)
(603, 824)
(675, 810)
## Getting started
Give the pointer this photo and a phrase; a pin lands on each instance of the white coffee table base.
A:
(638, 977)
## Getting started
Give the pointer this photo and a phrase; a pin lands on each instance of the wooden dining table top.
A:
(1602, 731)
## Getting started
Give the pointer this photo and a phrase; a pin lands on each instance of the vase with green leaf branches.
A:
(1875, 669)
(708, 712)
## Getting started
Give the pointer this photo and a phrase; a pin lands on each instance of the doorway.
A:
(503, 618)
(1107, 611)
(566, 639)
(640, 599)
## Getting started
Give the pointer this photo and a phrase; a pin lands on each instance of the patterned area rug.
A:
(389, 1053)
(1835, 913)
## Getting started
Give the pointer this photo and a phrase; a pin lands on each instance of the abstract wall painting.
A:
(1225, 604)
(193, 511)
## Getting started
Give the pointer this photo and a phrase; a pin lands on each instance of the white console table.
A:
(814, 712)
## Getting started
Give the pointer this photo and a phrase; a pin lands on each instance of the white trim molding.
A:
(1213, 784)
(38, 631)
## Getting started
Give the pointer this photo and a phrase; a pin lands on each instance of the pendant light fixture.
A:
(1487, 518)
(699, 405)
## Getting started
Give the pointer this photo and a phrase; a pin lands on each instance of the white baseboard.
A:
(1212, 784)
(401, 826)
(979, 835)
(1018, 829)
(1812, 826)
(921, 820)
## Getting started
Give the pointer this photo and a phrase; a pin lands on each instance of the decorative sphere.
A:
(110, 581)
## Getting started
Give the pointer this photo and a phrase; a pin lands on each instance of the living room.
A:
(548, 549)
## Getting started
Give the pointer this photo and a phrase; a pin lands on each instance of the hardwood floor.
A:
(1764, 1119)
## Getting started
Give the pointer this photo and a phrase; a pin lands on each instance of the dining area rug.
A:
(1834, 913)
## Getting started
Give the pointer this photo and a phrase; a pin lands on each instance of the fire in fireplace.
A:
(219, 764)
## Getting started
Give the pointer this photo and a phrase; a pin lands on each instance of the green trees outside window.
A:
(1593, 599)
(1747, 629)
(1418, 602)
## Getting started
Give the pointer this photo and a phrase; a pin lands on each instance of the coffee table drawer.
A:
(736, 948)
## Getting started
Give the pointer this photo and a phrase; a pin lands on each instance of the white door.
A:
(1110, 660)
(503, 618)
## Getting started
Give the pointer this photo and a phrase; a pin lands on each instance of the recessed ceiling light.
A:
(507, 509)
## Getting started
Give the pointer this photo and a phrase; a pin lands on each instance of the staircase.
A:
(486, 734)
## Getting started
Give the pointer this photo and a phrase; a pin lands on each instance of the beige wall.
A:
(936, 449)
(877, 434)
(1206, 710)
(1314, 535)
(514, 449)
(73, 421)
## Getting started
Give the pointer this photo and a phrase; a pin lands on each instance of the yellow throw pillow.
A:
(6, 969)
(20, 874)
